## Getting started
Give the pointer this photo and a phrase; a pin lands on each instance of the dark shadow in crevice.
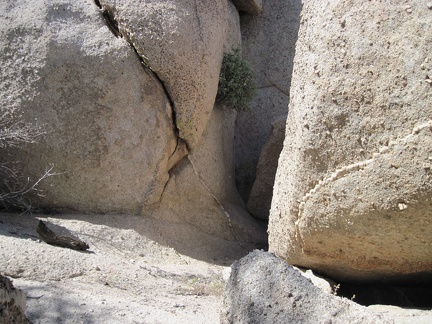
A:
(406, 296)
(268, 45)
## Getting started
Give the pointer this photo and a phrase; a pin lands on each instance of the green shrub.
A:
(236, 83)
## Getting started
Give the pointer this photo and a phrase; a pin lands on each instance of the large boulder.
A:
(353, 190)
(182, 42)
(265, 289)
(111, 132)
(268, 43)
(108, 122)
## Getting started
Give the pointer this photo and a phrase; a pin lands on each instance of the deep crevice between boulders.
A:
(406, 296)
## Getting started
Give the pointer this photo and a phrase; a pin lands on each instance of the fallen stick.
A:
(48, 236)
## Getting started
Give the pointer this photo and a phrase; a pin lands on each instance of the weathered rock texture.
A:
(265, 289)
(268, 43)
(259, 202)
(201, 201)
(12, 303)
(182, 42)
(353, 191)
(111, 133)
(109, 125)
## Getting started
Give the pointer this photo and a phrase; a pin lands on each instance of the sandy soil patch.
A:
(125, 277)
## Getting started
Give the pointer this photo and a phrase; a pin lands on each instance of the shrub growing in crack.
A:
(236, 82)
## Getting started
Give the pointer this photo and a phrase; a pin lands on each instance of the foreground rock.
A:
(265, 289)
(353, 189)
(12, 303)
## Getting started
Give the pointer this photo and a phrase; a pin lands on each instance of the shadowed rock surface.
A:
(265, 289)
(268, 44)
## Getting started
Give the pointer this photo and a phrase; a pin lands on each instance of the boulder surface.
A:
(110, 83)
(353, 190)
(259, 202)
(108, 123)
(182, 42)
(265, 289)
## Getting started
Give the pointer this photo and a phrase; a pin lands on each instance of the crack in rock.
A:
(217, 202)
(108, 15)
(343, 171)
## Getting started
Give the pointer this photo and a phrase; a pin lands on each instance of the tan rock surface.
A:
(353, 189)
(182, 42)
(108, 123)
(201, 202)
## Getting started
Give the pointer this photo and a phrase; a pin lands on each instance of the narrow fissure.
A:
(228, 216)
(112, 24)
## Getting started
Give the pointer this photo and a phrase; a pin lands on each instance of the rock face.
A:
(112, 101)
(353, 190)
(12, 303)
(201, 201)
(265, 289)
(182, 42)
(262, 191)
(268, 43)
(109, 125)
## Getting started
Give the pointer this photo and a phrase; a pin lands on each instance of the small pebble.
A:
(429, 5)
(402, 206)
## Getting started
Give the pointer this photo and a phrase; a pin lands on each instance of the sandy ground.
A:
(124, 277)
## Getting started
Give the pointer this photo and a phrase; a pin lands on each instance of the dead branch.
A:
(48, 236)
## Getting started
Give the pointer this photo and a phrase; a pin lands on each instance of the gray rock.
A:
(108, 122)
(12, 303)
(182, 42)
(265, 289)
(268, 43)
(353, 189)
(259, 202)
